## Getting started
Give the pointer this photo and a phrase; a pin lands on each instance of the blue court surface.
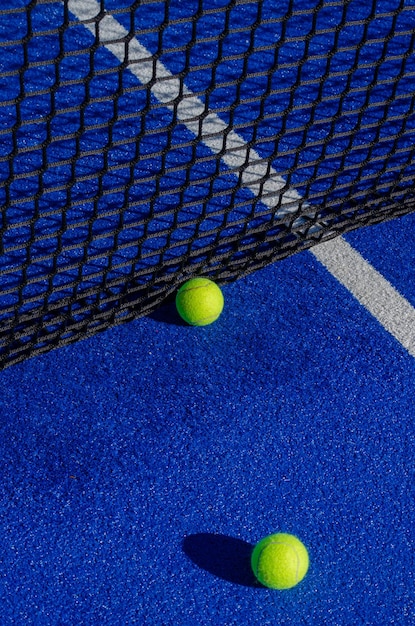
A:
(139, 467)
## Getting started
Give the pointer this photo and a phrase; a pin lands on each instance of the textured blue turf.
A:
(50, 125)
(140, 467)
(391, 252)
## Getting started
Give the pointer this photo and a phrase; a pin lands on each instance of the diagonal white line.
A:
(370, 288)
(257, 175)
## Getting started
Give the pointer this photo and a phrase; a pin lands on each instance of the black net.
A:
(142, 143)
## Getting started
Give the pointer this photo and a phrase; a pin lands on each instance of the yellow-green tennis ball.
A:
(199, 301)
(280, 561)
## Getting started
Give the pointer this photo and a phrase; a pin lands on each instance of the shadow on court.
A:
(225, 557)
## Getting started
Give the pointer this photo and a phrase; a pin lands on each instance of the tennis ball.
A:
(280, 561)
(199, 301)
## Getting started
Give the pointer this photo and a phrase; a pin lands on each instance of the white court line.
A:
(370, 288)
(257, 175)
(366, 284)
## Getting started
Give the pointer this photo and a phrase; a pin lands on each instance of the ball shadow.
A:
(167, 314)
(225, 557)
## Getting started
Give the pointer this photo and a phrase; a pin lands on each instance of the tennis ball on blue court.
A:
(199, 301)
(280, 561)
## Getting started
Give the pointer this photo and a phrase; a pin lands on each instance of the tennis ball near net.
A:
(280, 561)
(199, 301)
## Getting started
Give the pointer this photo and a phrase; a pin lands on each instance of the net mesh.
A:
(142, 143)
